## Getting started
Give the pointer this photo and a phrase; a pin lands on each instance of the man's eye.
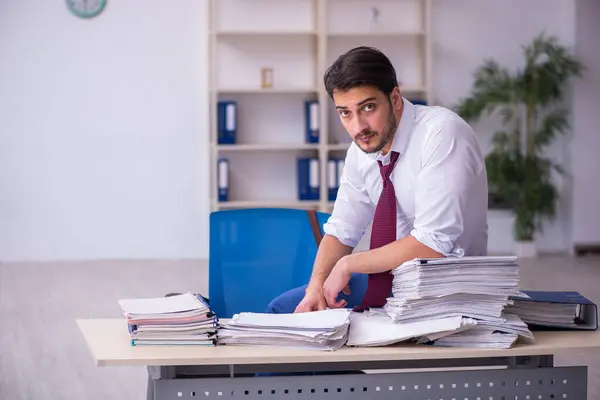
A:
(369, 107)
(344, 113)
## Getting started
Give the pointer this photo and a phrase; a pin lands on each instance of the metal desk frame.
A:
(499, 378)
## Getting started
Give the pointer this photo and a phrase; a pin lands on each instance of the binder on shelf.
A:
(311, 121)
(223, 179)
(308, 178)
(340, 171)
(227, 122)
(333, 181)
(419, 102)
(555, 310)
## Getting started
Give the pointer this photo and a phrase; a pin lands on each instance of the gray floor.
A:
(42, 355)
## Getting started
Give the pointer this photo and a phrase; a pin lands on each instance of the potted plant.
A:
(530, 102)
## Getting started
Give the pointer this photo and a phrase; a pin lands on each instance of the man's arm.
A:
(331, 250)
(351, 215)
(390, 256)
(345, 227)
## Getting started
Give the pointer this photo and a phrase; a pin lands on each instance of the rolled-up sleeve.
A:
(353, 209)
(450, 162)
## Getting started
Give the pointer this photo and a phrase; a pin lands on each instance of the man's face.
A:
(368, 116)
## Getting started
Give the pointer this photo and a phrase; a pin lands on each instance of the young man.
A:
(415, 172)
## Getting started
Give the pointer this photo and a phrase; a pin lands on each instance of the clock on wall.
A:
(86, 8)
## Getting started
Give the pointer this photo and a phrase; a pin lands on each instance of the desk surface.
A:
(110, 345)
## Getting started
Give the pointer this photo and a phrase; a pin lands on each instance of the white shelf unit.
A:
(298, 39)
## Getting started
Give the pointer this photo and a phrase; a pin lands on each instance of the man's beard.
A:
(386, 135)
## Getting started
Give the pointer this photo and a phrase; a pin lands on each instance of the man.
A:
(416, 172)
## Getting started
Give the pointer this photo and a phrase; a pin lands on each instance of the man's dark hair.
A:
(361, 66)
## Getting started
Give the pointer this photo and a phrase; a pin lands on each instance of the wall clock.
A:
(86, 8)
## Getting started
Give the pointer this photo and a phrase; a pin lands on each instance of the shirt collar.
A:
(402, 135)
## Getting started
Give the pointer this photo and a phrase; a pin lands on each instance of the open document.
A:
(377, 329)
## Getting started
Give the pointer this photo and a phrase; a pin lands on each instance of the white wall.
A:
(102, 131)
(103, 123)
(586, 141)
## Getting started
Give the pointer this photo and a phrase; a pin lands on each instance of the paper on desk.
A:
(479, 336)
(375, 329)
(186, 302)
(487, 260)
(323, 330)
(324, 319)
(289, 343)
(545, 314)
(477, 289)
(460, 304)
(511, 324)
(416, 281)
(233, 330)
(180, 319)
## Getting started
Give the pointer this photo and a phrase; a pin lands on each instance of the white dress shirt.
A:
(440, 182)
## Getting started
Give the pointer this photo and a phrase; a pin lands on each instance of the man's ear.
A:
(396, 98)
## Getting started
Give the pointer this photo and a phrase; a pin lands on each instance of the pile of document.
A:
(546, 314)
(317, 330)
(447, 302)
(183, 319)
(483, 334)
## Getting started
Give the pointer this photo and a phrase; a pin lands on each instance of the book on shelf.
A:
(311, 121)
(308, 178)
(418, 101)
(227, 122)
(335, 168)
(309, 181)
(223, 178)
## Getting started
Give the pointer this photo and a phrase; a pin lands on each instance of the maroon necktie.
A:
(383, 232)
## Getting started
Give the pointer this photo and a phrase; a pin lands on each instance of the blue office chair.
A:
(257, 254)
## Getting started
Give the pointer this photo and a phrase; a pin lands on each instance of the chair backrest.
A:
(257, 254)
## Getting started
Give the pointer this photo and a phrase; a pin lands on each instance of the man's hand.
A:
(313, 301)
(337, 282)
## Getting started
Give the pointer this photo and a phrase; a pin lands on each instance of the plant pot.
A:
(526, 249)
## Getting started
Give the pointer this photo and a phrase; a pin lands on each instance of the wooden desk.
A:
(528, 368)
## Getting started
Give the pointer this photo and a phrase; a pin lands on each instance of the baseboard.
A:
(586, 249)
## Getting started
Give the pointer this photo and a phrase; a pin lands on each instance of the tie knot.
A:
(386, 170)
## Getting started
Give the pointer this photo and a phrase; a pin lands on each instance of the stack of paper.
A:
(377, 329)
(487, 307)
(320, 330)
(180, 319)
(446, 302)
(477, 288)
(545, 313)
(483, 334)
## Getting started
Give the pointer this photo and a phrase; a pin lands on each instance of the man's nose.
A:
(359, 126)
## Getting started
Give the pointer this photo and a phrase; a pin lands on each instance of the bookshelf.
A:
(295, 41)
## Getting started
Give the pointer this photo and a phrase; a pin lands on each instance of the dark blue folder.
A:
(311, 121)
(308, 178)
(227, 121)
(587, 311)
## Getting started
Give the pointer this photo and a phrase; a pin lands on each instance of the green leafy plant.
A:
(530, 101)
